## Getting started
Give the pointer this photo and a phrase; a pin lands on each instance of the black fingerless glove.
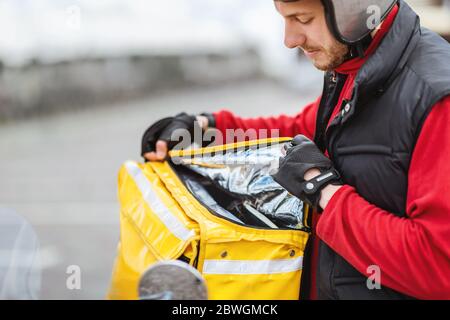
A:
(302, 155)
(183, 122)
(164, 129)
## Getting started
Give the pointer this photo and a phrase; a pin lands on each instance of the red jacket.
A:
(413, 253)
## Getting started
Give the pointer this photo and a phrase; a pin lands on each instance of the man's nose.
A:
(293, 37)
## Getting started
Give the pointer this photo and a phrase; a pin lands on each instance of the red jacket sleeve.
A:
(288, 126)
(412, 253)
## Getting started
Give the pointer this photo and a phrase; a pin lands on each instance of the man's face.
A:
(306, 28)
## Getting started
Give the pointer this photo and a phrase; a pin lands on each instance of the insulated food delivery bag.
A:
(219, 210)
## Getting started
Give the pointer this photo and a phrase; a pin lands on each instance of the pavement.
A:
(59, 172)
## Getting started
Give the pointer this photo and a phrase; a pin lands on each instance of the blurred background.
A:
(81, 80)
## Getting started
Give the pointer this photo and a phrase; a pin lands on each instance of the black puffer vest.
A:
(372, 140)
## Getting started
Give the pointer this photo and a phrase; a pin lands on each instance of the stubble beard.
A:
(334, 57)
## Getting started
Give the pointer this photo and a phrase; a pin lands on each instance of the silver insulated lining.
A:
(237, 185)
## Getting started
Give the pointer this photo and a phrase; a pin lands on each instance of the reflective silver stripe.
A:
(156, 205)
(252, 266)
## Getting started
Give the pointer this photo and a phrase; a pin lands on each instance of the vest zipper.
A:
(335, 123)
(333, 77)
(324, 112)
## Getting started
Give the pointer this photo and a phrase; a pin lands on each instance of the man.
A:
(374, 152)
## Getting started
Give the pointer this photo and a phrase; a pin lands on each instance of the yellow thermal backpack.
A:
(219, 210)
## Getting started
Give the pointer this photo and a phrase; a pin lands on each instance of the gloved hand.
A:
(301, 156)
(159, 136)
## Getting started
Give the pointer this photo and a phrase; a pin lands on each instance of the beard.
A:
(329, 58)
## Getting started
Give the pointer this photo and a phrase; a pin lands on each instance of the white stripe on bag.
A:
(252, 266)
(156, 205)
